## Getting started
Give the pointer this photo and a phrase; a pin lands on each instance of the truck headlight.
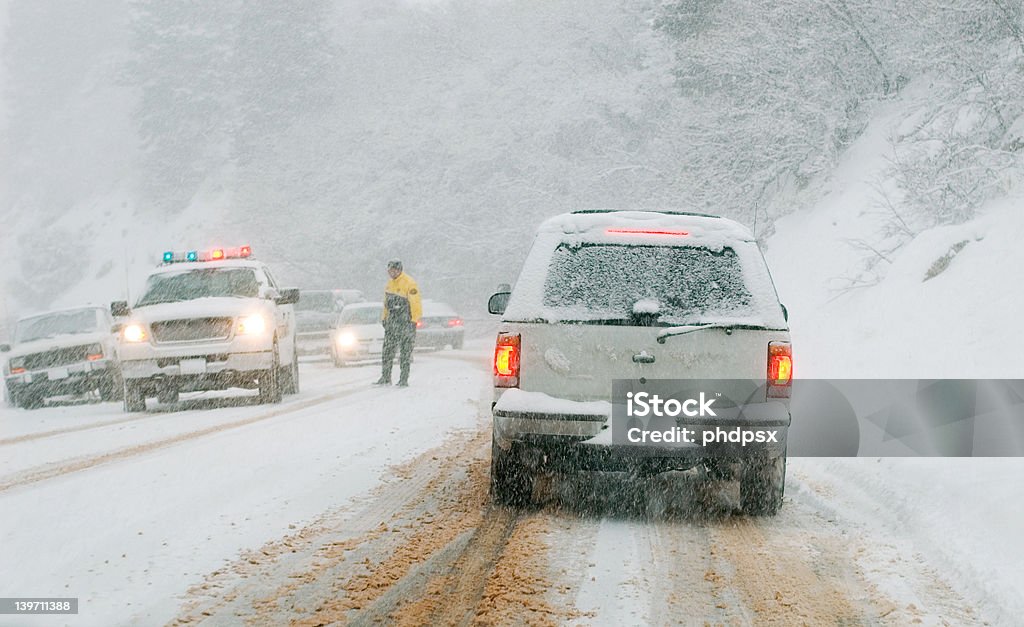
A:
(252, 325)
(134, 332)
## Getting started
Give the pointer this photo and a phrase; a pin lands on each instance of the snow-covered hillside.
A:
(946, 305)
(939, 311)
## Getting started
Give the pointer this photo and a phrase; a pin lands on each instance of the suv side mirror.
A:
(785, 312)
(5, 348)
(498, 302)
(288, 296)
(119, 308)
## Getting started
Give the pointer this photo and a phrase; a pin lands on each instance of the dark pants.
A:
(399, 338)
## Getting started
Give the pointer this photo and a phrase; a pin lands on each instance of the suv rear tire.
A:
(763, 485)
(511, 482)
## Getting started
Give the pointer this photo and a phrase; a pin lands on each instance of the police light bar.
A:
(646, 232)
(214, 254)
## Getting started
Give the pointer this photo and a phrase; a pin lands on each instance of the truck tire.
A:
(12, 398)
(270, 380)
(763, 485)
(167, 395)
(111, 388)
(32, 401)
(134, 397)
(290, 375)
(511, 482)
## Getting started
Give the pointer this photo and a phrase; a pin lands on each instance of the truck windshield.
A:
(683, 285)
(173, 287)
(52, 325)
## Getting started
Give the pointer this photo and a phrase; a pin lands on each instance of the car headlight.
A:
(134, 332)
(346, 339)
(252, 325)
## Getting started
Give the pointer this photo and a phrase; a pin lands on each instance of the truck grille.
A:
(57, 357)
(192, 330)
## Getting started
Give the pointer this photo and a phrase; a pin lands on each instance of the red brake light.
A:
(506, 361)
(455, 322)
(94, 356)
(645, 232)
(17, 370)
(419, 324)
(217, 253)
(780, 369)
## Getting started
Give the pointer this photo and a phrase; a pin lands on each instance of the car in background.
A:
(315, 314)
(71, 351)
(358, 334)
(208, 320)
(641, 296)
(348, 297)
(439, 326)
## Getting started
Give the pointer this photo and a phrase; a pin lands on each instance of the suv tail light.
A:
(506, 361)
(780, 369)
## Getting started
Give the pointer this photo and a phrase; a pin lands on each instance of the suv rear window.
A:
(689, 284)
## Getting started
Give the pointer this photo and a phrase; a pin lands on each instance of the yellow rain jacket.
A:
(403, 287)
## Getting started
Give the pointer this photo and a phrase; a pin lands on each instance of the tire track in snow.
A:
(427, 548)
(28, 437)
(50, 471)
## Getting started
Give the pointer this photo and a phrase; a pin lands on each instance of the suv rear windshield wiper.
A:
(728, 326)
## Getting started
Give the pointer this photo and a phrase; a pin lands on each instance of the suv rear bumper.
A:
(576, 441)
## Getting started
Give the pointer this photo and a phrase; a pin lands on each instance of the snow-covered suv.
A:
(643, 296)
(208, 321)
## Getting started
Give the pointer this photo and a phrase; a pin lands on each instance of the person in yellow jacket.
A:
(402, 310)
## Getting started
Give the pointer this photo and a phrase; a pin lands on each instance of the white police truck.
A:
(208, 320)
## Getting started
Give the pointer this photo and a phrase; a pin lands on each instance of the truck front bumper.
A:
(75, 378)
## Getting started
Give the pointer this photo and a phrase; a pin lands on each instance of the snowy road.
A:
(352, 504)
